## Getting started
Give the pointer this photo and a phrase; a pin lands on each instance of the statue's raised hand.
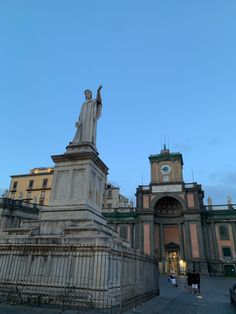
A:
(100, 87)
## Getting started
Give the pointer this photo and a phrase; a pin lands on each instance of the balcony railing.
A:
(221, 207)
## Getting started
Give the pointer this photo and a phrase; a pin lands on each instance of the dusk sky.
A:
(168, 69)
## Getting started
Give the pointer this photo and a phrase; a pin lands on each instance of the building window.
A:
(224, 232)
(15, 185)
(31, 183)
(42, 194)
(109, 205)
(226, 251)
(109, 194)
(42, 198)
(13, 195)
(28, 197)
(45, 183)
(124, 232)
(21, 195)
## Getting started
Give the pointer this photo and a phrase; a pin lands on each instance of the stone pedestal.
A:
(79, 179)
(77, 191)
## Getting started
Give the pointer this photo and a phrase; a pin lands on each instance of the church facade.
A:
(172, 223)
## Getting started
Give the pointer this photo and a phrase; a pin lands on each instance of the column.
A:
(200, 239)
(161, 244)
(214, 242)
(188, 242)
(182, 255)
(162, 249)
(207, 241)
(233, 226)
(152, 241)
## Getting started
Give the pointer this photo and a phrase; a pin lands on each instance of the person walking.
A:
(194, 282)
(189, 280)
(198, 282)
(173, 280)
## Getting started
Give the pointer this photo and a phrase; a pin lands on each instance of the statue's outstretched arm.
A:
(99, 98)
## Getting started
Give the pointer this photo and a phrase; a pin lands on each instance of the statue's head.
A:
(88, 94)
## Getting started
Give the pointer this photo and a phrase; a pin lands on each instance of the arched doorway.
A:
(168, 211)
(172, 257)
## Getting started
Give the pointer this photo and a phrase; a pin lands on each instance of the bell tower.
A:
(166, 167)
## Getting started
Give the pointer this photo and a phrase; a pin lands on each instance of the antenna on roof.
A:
(165, 142)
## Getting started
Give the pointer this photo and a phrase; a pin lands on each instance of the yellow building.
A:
(34, 187)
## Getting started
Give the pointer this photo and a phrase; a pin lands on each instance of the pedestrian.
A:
(194, 282)
(198, 282)
(169, 279)
(189, 280)
(173, 280)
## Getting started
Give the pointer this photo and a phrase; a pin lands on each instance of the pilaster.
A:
(233, 226)
(182, 255)
(214, 241)
(161, 244)
(188, 241)
(200, 239)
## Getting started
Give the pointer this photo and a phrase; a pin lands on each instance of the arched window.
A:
(168, 206)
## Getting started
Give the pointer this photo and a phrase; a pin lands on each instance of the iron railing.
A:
(90, 278)
(20, 205)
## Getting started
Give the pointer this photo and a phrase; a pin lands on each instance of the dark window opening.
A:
(224, 232)
(15, 185)
(45, 183)
(31, 183)
(226, 251)
(124, 232)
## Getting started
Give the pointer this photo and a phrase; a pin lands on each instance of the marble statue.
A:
(87, 122)
(229, 200)
(209, 201)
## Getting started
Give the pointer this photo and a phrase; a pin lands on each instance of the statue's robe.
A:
(87, 123)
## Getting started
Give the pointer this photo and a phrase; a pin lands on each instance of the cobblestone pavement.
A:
(214, 299)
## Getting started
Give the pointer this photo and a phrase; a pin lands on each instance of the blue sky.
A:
(168, 68)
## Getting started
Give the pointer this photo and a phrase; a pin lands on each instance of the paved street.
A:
(214, 299)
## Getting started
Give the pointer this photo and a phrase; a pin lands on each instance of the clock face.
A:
(165, 169)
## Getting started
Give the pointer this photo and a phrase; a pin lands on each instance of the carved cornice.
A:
(76, 156)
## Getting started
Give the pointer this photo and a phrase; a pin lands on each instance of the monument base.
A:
(65, 271)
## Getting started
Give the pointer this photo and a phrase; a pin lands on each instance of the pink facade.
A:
(146, 233)
(171, 234)
(194, 240)
(156, 236)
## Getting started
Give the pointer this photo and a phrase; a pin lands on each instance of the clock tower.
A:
(170, 215)
(166, 167)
